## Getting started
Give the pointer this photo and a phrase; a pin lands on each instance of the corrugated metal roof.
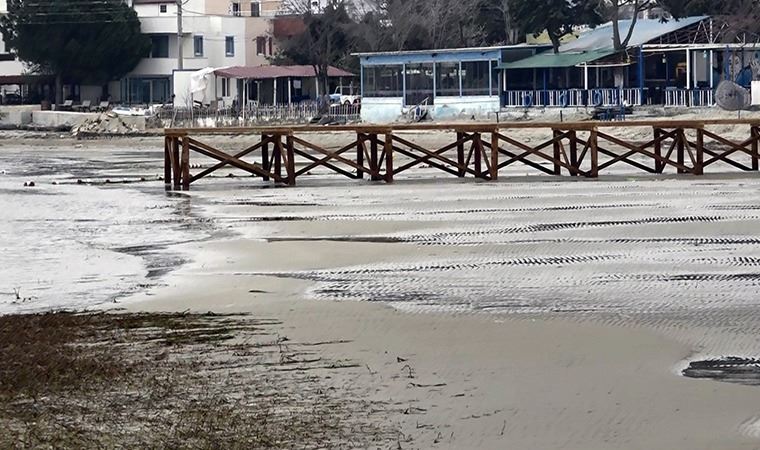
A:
(597, 43)
(645, 30)
(551, 59)
(268, 72)
(450, 50)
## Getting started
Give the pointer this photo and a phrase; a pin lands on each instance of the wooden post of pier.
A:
(277, 154)
(176, 174)
(574, 154)
(477, 146)
(360, 154)
(699, 164)
(680, 150)
(290, 163)
(388, 156)
(265, 155)
(373, 162)
(494, 155)
(185, 167)
(755, 131)
(168, 162)
(594, 153)
(557, 152)
(460, 154)
(658, 165)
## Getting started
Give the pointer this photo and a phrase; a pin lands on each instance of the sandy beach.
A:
(530, 313)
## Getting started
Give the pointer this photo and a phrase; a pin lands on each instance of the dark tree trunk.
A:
(58, 89)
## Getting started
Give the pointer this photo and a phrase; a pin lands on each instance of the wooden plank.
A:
(480, 127)
(755, 133)
(167, 161)
(185, 164)
(700, 152)
(460, 153)
(373, 158)
(594, 152)
(176, 172)
(290, 164)
(265, 155)
(333, 155)
(494, 156)
(574, 153)
(658, 166)
(388, 152)
(360, 154)
(332, 167)
(218, 166)
(211, 152)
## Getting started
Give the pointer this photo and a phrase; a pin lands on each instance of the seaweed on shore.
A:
(171, 380)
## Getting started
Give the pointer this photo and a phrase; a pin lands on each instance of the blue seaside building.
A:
(674, 63)
(445, 83)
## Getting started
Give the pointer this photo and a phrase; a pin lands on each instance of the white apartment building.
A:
(9, 65)
(215, 33)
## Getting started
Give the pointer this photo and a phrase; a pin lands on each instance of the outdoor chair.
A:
(67, 105)
(84, 107)
(104, 106)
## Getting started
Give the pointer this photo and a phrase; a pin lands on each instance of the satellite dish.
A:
(732, 97)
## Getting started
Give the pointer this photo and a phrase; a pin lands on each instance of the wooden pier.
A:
(282, 154)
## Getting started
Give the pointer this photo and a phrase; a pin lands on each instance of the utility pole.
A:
(180, 63)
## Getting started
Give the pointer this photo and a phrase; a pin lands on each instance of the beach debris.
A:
(29, 184)
(105, 123)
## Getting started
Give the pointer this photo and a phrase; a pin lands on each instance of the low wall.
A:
(60, 119)
(389, 110)
(381, 110)
(482, 107)
(17, 115)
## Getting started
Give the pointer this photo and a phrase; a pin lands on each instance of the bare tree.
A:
(614, 10)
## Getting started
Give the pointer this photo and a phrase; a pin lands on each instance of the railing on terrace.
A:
(571, 98)
(254, 114)
(693, 97)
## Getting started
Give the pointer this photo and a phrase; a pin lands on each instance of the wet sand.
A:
(528, 313)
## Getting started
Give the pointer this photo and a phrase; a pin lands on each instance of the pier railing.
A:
(381, 153)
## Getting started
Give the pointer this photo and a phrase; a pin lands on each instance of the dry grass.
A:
(172, 381)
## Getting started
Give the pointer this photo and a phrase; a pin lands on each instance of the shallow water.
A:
(66, 244)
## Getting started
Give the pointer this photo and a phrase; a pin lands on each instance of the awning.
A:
(550, 59)
(25, 79)
(269, 72)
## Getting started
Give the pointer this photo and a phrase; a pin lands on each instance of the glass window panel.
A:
(419, 84)
(447, 79)
(383, 81)
(475, 78)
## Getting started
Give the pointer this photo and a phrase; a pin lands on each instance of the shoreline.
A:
(491, 380)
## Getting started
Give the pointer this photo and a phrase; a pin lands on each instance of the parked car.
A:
(344, 95)
(12, 98)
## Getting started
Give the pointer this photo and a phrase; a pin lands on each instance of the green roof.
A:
(551, 59)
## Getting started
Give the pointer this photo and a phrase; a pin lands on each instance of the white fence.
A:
(692, 97)
(569, 98)
(257, 115)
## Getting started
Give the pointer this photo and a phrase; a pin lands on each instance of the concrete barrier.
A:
(60, 119)
(17, 115)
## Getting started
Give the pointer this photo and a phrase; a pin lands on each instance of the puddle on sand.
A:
(69, 245)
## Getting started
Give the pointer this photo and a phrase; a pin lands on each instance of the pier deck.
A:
(282, 154)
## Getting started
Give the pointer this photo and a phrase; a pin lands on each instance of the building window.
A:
(447, 79)
(162, 9)
(160, 47)
(261, 45)
(383, 81)
(225, 87)
(255, 9)
(235, 9)
(229, 45)
(198, 45)
(475, 78)
(419, 84)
